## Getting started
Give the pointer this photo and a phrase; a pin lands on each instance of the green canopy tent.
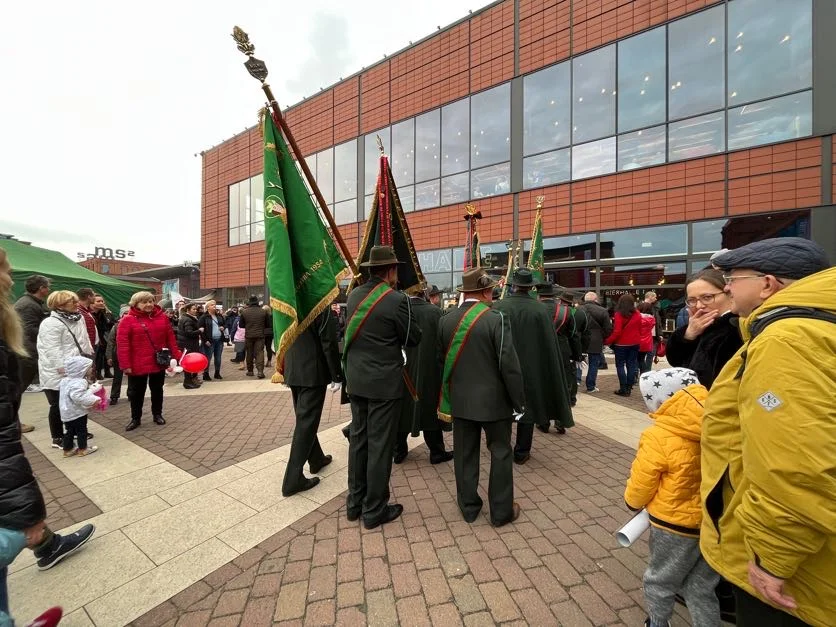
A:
(65, 274)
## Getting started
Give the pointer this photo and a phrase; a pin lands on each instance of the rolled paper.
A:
(630, 532)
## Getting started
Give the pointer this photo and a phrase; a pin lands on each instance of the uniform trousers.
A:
(255, 352)
(374, 425)
(307, 403)
(467, 442)
(433, 439)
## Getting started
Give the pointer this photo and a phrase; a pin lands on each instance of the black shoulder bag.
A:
(161, 355)
(75, 339)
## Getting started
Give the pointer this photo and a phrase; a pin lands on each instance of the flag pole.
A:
(258, 70)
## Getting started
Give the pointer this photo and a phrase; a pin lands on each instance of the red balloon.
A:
(194, 362)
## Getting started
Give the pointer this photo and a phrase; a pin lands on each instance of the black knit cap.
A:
(786, 257)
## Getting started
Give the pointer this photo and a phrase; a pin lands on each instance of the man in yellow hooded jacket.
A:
(769, 438)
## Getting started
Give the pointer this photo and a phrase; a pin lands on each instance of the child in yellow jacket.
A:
(665, 480)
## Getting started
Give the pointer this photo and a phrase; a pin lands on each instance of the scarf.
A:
(68, 316)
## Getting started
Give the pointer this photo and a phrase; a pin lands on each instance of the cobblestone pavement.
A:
(557, 565)
(66, 504)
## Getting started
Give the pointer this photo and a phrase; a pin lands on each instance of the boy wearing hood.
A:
(665, 480)
(76, 398)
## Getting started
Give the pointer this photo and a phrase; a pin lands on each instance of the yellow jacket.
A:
(665, 477)
(769, 454)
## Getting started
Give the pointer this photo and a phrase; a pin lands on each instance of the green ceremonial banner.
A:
(303, 264)
(535, 257)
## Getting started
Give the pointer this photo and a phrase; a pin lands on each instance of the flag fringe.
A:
(444, 417)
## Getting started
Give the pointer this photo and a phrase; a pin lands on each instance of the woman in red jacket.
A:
(143, 334)
(625, 340)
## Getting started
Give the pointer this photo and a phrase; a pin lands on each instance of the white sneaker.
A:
(33, 389)
(593, 391)
(88, 451)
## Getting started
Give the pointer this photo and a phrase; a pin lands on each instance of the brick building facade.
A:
(658, 131)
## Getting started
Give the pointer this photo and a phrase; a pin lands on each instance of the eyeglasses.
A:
(728, 278)
(705, 299)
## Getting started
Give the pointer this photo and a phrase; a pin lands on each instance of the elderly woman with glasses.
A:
(711, 336)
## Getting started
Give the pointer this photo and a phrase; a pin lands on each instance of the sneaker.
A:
(593, 391)
(50, 618)
(87, 451)
(24, 428)
(71, 453)
(64, 546)
(57, 443)
(33, 389)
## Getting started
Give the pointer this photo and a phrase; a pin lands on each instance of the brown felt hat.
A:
(381, 256)
(476, 280)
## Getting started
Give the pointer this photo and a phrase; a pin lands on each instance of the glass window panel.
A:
(406, 194)
(641, 80)
(233, 237)
(427, 145)
(345, 171)
(458, 262)
(244, 234)
(770, 48)
(244, 203)
(547, 113)
(427, 194)
(593, 159)
(546, 169)
(696, 63)
(771, 121)
(707, 237)
(257, 231)
(345, 212)
(455, 137)
(494, 255)
(311, 161)
(403, 152)
(372, 157)
(490, 126)
(642, 148)
(491, 181)
(582, 278)
(442, 280)
(257, 191)
(367, 206)
(649, 242)
(569, 248)
(436, 260)
(646, 274)
(593, 95)
(233, 205)
(697, 137)
(325, 174)
(455, 189)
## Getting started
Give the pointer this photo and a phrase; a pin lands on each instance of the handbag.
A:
(162, 356)
(75, 339)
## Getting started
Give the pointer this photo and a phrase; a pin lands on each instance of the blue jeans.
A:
(12, 542)
(626, 364)
(594, 360)
(216, 348)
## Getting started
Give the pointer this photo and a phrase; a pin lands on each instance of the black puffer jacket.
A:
(21, 502)
(709, 352)
(188, 335)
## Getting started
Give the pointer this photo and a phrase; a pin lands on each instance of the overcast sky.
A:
(105, 104)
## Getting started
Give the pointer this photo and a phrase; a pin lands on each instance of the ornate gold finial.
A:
(472, 213)
(262, 112)
(379, 144)
(255, 67)
(471, 208)
(540, 201)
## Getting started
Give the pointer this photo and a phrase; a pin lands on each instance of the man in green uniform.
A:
(380, 325)
(561, 319)
(482, 389)
(580, 338)
(311, 363)
(420, 414)
(542, 367)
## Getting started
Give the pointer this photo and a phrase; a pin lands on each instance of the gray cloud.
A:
(329, 57)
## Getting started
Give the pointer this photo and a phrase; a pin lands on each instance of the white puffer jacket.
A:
(56, 345)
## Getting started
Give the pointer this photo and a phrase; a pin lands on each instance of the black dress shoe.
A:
(218, 376)
(347, 432)
(560, 430)
(522, 459)
(400, 456)
(89, 436)
(543, 428)
(352, 516)
(158, 419)
(133, 424)
(389, 514)
(113, 401)
(446, 456)
(325, 461)
(306, 484)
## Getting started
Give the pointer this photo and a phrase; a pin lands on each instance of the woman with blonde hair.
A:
(212, 322)
(145, 344)
(61, 336)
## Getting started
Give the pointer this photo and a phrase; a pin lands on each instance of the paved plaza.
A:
(192, 528)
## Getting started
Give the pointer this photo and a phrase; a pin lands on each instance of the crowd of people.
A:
(742, 527)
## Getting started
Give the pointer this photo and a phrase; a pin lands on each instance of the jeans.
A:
(76, 429)
(626, 364)
(595, 360)
(12, 542)
(216, 348)
(136, 393)
(56, 427)
(646, 361)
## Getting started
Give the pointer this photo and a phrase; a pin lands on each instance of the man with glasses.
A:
(769, 437)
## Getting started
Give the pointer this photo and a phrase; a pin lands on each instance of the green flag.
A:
(302, 263)
(535, 257)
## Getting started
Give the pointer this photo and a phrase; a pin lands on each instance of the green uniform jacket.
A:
(422, 364)
(542, 366)
(568, 340)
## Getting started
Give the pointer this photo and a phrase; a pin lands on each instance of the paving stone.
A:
(351, 617)
(592, 605)
(435, 587)
(380, 608)
(350, 593)
(452, 561)
(292, 599)
(413, 611)
(376, 574)
(446, 615)
(562, 569)
(374, 545)
(231, 602)
(191, 595)
(259, 612)
(547, 585)
(266, 585)
(608, 590)
(325, 552)
(499, 600)
(569, 614)
(533, 608)
(424, 555)
(405, 580)
(296, 571)
(397, 551)
(349, 566)
(322, 583)
(466, 592)
(320, 613)
(225, 621)
(511, 573)
(195, 619)
(481, 566)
